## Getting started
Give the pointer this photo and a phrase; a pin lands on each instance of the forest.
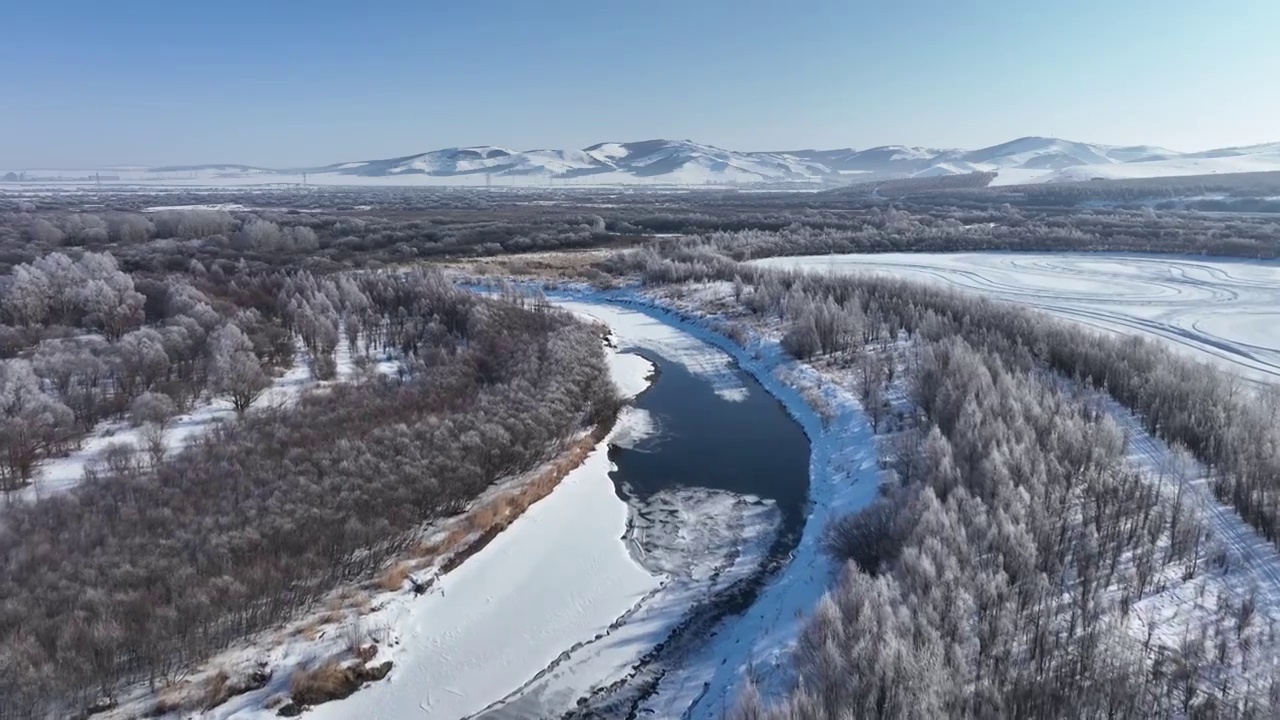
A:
(328, 230)
(162, 556)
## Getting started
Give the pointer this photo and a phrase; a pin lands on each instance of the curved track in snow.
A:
(1224, 310)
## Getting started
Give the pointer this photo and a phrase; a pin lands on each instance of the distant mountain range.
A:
(684, 162)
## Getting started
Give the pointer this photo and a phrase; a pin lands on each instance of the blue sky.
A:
(280, 83)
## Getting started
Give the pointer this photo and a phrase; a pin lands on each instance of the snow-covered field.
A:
(1224, 310)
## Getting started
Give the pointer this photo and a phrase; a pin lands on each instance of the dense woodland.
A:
(157, 560)
(996, 574)
(325, 230)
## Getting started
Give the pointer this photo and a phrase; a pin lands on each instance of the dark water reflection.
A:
(749, 447)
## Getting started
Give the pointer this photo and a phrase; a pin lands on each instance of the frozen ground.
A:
(1224, 310)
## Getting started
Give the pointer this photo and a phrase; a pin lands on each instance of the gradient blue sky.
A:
(94, 82)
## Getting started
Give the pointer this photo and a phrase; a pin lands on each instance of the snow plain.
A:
(1223, 310)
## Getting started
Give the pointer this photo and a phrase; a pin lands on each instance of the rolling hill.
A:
(688, 163)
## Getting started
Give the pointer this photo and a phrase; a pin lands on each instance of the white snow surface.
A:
(696, 355)
(558, 576)
(1222, 310)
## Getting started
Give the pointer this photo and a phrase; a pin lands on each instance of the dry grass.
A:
(394, 577)
(454, 538)
(216, 690)
(485, 522)
(327, 681)
(332, 617)
(424, 549)
(311, 630)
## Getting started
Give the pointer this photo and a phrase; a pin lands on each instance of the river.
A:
(668, 530)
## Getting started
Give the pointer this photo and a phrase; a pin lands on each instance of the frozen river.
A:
(1224, 310)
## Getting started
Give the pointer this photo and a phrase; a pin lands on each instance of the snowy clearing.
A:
(1224, 310)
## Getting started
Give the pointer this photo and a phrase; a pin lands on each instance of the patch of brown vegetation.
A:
(393, 578)
(327, 681)
(217, 690)
(487, 521)
(332, 680)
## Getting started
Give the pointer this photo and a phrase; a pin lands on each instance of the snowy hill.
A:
(666, 161)
(689, 163)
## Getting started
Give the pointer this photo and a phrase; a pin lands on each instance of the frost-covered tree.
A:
(32, 423)
(234, 370)
(43, 232)
(801, 339)
(130, 227)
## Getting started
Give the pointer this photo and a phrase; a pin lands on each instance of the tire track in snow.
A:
(1223, 310)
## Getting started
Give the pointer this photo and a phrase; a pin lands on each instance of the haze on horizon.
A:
(291, 84)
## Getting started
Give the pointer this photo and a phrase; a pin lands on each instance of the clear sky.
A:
(274, 82)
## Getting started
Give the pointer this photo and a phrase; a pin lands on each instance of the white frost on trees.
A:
(234, 370)
(32, 423)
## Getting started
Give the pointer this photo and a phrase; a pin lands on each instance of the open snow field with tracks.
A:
(1221, 309)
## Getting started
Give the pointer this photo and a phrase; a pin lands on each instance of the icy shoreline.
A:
(843, 476)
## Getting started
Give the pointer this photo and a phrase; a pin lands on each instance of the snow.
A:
(695, 354)
(684, 162)
(1266, 160)
(1252, 564)
(558, 576)
(1222, 310)
(630, 373)
(227, 207)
